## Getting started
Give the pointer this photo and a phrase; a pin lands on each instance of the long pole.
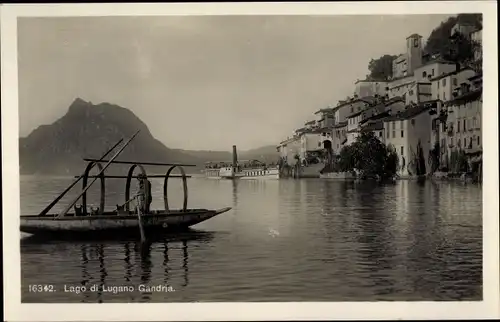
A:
(141, 228)
(46, 210)
(65, 211)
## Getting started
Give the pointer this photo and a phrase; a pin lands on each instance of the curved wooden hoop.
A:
(84, 185)
(184, 184)
(127, 184)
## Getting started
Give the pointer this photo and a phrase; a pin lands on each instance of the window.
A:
(432, 73)
(402, 150)
(444, 82)
(319, 143)
(402, 133)
(438, 84)
(465, 127)
(451, 141)
(424, 74)
(444, 96)
(413, 123)
(393, 134)
(410, 92)
(478, 140)
(415, 42)
(458, 143)
(458, 126)
(352, 109)
(388, 133)
(455, 82)
(380, 134)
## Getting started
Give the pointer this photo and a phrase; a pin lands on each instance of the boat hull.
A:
(112, 223)
(252, 174)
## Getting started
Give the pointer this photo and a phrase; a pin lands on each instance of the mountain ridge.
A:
(88, 130)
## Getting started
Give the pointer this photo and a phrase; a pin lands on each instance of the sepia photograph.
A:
(248, 158)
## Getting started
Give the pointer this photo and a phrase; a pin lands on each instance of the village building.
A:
(339, 136)
(367, 88)
(355, 120)
(406, 63)
(408, 132)
(444, 84)
(465, 119)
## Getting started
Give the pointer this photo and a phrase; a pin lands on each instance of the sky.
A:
(204, 82)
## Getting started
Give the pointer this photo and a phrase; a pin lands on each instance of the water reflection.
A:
(234, 184)
(334, 241)
(98, 262)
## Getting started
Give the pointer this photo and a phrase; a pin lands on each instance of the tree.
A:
(439, 40)
(461, 50)
(381, 68)
(370, 157)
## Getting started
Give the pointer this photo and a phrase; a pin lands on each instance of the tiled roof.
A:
(376, 126)
(340, 124)
(376, 117)
(411, 112)
(414, 35)
(344, 103)
(450, 73)
(467, 97)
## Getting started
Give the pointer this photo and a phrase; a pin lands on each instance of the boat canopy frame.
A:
(128, 177)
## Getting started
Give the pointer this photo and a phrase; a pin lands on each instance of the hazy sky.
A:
(204, 82)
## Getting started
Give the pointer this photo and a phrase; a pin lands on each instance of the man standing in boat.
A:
(144, 193)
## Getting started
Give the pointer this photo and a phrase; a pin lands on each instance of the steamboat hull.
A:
(114, 224)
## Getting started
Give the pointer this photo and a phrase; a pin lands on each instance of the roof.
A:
(467, 97)
(355, 114)
(450, 73)
(376, 117)
(477, 76)
(411, 112)
(365, 110)
(436, 61)
(394, 100)
(310, 122)
(340, 124)
(344, 103)
(403, 77)
(324, 111)
(376, 126)
(371, 81)
(413, 36)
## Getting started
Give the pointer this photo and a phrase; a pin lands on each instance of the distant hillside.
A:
(266, 154)
(88, 130)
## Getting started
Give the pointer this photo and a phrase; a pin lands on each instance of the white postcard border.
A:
(15, 311)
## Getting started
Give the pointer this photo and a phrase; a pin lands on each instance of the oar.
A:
(65, 211)
(141, 228)
(46, 210)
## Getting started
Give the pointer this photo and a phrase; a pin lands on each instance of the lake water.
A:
(284, 240)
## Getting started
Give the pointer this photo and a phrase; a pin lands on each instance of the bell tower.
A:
(414, 52)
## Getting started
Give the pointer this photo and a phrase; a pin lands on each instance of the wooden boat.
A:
(123, 220)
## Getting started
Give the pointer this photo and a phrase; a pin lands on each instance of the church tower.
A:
(414, 52)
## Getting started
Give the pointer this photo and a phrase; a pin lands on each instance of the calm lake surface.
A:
(284, 240)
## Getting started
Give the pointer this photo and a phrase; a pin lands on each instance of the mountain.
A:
(266, 154)
(88, 130)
